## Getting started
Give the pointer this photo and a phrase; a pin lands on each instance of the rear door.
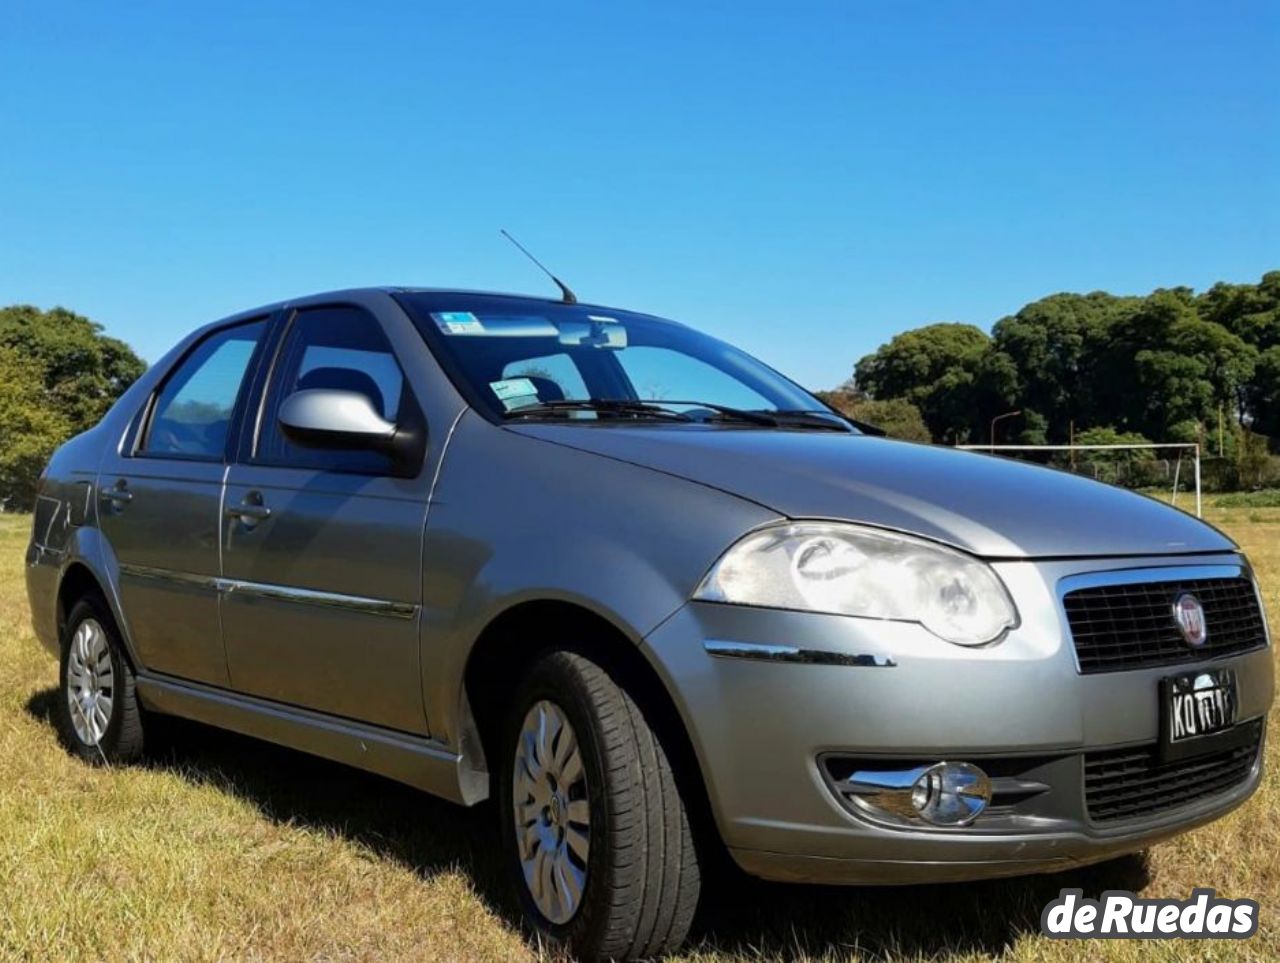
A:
(322, 549)
(159, 504)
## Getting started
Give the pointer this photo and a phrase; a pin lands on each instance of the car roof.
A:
(322, 297)
(337, 295)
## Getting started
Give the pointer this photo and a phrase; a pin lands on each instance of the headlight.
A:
(849, 570)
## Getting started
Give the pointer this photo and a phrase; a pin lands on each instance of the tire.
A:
(640, 876)
(97, 709)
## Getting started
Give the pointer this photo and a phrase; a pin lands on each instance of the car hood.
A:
(990, 506)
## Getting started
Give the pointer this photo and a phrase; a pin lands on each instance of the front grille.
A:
(1132, 783)
(1118, 627)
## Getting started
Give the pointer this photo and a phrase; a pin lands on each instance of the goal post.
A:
(1191, 447)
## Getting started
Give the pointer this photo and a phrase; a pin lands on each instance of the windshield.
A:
(531, 357)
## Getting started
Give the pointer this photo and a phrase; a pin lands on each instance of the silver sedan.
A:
(652, 596)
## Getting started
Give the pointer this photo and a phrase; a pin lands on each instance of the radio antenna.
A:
(567, 296)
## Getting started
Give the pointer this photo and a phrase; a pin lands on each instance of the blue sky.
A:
(802, 179)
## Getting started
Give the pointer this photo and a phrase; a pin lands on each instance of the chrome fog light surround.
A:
(941, 794)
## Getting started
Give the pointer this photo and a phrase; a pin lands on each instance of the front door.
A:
(159, 505)
(322, 549)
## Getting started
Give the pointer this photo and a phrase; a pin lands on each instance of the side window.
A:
(191, 415)
(342, 348)
(555, 376)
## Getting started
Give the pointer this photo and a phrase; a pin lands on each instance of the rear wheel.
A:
(596, 834)
(97, 709)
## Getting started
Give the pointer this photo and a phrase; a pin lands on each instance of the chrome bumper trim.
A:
(763, 652)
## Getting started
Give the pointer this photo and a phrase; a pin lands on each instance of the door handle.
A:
(255, 512)
(119, 496)
(250, 511)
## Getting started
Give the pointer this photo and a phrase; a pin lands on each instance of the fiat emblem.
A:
(1189, 614)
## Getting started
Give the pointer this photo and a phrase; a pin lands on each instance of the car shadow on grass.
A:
(739, 915)
(892, 922)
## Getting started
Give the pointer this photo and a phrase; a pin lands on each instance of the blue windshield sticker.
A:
(515, 392)
(457, 322)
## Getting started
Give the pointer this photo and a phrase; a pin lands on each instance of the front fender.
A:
(515, 519)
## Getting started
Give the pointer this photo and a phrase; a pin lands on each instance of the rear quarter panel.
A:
(64, 506)
(64, 526)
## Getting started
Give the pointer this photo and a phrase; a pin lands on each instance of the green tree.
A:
(1228, 360)
(58, 376)
(1170, 387)
(1249, 311)
(936, 368)
(29, 428)
(1203, 367)
(1035, 428)
(1265, 392)
(1193, 431)
(1126, 466)
(1054, 346)
(1251, 458)
(897, 417)
(83, 370)
(1149, 366)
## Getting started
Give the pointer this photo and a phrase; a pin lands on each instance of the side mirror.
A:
(329, 418)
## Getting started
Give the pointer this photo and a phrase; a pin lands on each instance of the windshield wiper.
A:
(795, 418)
(736, 414)
(642, 409)
(657, 408)
(822, 420)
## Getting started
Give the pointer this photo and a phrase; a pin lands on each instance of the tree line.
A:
(59, 373)
(1173, 365)
(1094, 368)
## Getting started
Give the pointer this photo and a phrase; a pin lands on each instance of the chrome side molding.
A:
(765, 652)
(171, 577)
(353, 603)
(284, 593)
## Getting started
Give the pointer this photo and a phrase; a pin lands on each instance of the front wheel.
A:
(595, 831)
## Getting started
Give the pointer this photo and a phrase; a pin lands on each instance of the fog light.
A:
(941, 793)
(951, 793)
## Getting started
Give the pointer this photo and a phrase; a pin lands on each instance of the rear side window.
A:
(192, 413)
(342, 348)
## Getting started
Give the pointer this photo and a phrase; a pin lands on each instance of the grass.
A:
(1266, 498)
(226, 848)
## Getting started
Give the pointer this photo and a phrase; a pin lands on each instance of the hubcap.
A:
(90, 682)
(553, 817)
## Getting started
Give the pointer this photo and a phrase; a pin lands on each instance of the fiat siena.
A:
(654, 598)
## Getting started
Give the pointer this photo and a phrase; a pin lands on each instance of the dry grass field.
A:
(225, 848)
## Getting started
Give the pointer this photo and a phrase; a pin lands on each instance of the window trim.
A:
(143, 423)
(248, 454)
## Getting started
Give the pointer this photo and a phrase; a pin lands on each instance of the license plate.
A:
(1197, 704)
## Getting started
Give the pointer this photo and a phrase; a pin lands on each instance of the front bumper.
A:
(761, 728)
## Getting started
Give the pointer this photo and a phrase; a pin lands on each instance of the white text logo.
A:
(1122, 915)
